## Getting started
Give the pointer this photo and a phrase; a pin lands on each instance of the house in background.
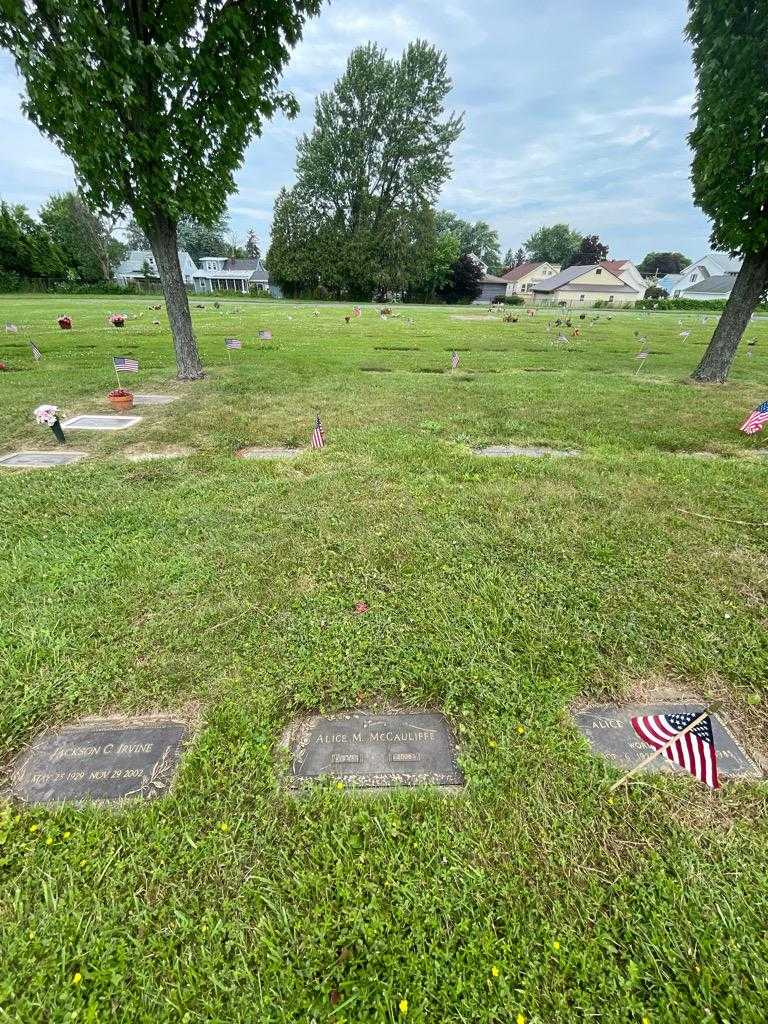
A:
(139, 267)
(522, 278)
(627, 272)
(221, 273)
(717, 286)
(492, 288)
(713, 264)
(582, 286)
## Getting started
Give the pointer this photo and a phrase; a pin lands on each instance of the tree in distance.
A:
(663, 263)
(367, 177)
(590, 251)
(730, 157)
(84, 237)
(155, 101)
(553, 244)
(475, 237)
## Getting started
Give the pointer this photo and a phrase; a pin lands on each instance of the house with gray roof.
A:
(583, 286)
(221, 273)
(491, 287)
(138, 267)
(718, 286)
(713, 264)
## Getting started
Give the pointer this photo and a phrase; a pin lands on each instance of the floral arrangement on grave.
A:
(3, 367)
(121, 399)
(386, 311)
(117, 320)
(65, 323)
(48, 416)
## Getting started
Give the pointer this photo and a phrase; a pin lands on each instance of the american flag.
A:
(36, 352)
(233, 343)
(318, 434)
(356, 311)
(454, 360)
(11, 329)
(642, 354)
(695, 751)
(756, 420)
(265, 335)
(684, 334)
(126, 364)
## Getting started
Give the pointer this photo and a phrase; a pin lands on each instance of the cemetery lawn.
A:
(501, 592)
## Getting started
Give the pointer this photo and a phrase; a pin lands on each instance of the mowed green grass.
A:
(500, 592)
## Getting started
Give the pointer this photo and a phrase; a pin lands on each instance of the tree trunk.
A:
(750, 284)
(162, 237)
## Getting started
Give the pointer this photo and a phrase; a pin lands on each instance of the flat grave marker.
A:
(268, 453)
(149, 456)
(41, 460)
(369, 750)
(154, 399)
(511, 450)
(98, 422)
(608, 731)
(100, 759)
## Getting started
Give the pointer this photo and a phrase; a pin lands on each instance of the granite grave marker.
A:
(154, 399)
(269, 453)
(510, 450)
(394, 748)
(41, 460)
(105, 760)
(101, 422)
(607, 729)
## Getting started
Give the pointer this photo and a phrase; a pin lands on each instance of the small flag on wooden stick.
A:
(231, 343)
(454, 360)
(11, 329)
(685, 739)
(36, 353)
(318, 434)
(265, 335)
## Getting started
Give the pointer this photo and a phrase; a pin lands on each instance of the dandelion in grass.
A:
(520, 1018)
(224, 826)
(556, 946)
(49, 841)
(33, 828)
(339, 785)
(77, 978)
(520, 729)
(495, 971)
(492, 744)
(403, 1006)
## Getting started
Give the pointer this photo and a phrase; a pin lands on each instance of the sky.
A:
(575, 112)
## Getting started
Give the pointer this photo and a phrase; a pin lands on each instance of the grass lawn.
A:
(501, 592)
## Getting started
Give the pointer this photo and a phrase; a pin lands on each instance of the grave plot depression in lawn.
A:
(100, 422)
(100, 760)
(40, 460)
(375, 750)
(608, 731)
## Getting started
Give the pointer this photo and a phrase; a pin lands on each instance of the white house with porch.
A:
(222, 273)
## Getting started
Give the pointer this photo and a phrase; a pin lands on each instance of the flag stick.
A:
(652, 757)
(229, 357)
(642, 364)
(117, 375)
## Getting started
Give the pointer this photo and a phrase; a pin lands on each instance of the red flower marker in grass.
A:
(361, 607)
(64, 322)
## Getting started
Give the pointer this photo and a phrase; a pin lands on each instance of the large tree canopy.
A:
(553, 244)
(26, 247)
(368, 175)
(155, 101)
(730, 156)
